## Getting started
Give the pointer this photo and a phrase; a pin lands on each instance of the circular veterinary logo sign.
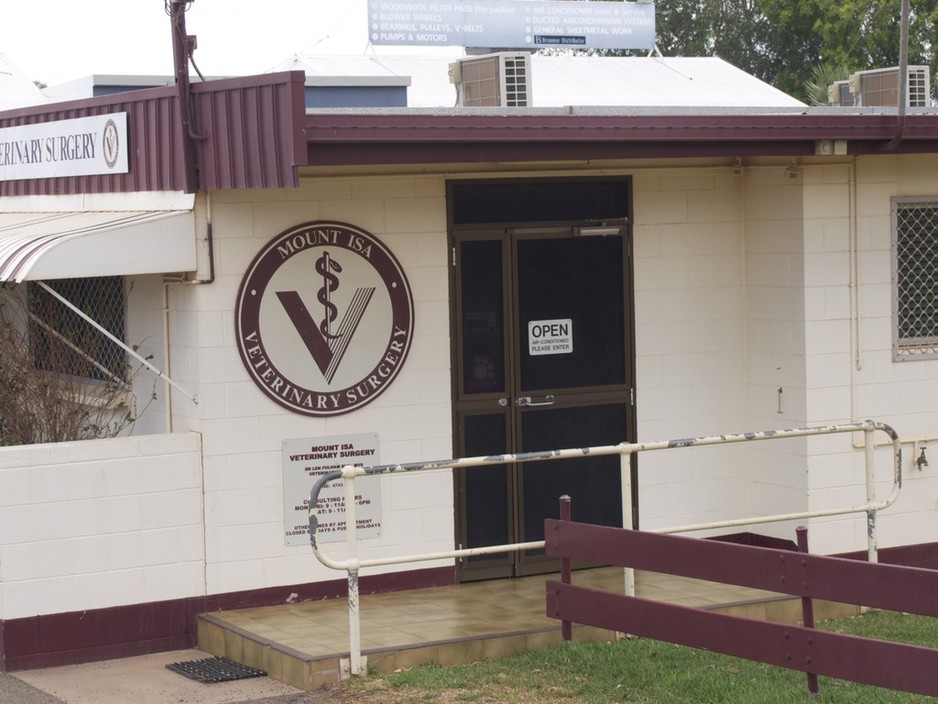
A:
(324, 318)
(111, 144)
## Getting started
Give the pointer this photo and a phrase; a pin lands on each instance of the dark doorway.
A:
(544, 360)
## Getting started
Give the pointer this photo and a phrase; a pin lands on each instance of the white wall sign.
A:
(513, 24)
(550, 337)
(84, 146)
(304, 461)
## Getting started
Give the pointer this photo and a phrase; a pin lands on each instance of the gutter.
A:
(358, 139)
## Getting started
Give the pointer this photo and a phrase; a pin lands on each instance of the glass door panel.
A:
(592, 483)
(481, 282)
(488, 492)
(570, 289)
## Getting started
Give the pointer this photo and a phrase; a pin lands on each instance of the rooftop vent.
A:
(493, 80)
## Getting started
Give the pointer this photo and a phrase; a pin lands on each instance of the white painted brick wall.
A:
(775, 316)
(742, 286)
(690, 332)
(796, 322)
(244, 429)
(850, 370)
(100, 523)
(899, 393)
(145, 334)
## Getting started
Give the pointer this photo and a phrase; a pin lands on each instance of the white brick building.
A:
(749, 281)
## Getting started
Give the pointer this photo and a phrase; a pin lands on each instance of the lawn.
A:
(638, 670)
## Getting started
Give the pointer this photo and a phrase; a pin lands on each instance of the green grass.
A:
(640, 671)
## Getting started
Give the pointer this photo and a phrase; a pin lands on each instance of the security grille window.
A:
(915, 263)
(65, 343)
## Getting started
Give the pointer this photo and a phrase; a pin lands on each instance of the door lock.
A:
(527, 401)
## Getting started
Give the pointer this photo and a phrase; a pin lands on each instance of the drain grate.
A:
(215, 670)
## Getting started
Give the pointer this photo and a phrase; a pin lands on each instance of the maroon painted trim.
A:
(361, 154)
(760, 541)
(366, 153)
(924, 555)
(122, 631)
(410, 127)
(250, 131)
(413, 137)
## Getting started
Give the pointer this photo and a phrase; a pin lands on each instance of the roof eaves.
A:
(418, 136)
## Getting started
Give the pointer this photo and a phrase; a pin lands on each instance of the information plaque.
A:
(304, 461)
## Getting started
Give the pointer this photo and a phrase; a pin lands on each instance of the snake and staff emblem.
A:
(327, 344)
(325, 265)
(330, 291)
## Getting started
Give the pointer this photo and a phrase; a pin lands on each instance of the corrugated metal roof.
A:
(559, 81)
(649, 81)
(155, 156)
(251, 131)
(248, 134)
(254, 132)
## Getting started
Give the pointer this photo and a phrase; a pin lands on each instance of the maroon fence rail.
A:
(898, 666)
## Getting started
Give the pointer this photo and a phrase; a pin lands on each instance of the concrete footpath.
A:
(145, 680)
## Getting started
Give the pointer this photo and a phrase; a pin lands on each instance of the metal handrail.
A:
(352, 564)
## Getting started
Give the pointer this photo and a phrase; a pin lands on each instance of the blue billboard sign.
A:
(513, 24)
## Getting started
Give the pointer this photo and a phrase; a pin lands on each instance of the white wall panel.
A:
(91, 533)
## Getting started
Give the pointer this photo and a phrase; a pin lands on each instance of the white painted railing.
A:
(352, 564)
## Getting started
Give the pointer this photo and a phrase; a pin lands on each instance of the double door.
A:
(543, 362)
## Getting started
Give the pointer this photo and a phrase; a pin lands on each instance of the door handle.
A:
(528, 402)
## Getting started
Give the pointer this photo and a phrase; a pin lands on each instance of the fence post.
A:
(357, 666)
(807, 607)
(566, 627)
(872, 547)
(628, 514)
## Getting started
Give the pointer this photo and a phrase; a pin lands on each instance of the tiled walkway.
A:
(303, 644)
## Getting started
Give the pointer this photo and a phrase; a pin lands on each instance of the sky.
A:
(56, 41)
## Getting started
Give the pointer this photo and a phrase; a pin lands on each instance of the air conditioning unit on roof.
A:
(838, 94)
(880, 87)
(493, 80)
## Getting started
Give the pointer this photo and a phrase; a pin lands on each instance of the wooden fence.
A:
(897, 666)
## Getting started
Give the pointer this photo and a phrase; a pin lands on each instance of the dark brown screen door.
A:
(543, 363)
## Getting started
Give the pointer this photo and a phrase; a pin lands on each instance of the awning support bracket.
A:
(129, 350)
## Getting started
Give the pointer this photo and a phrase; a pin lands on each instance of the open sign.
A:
(550, 336)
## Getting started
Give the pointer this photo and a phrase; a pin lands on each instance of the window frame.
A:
(113, 369)
(908, 348)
